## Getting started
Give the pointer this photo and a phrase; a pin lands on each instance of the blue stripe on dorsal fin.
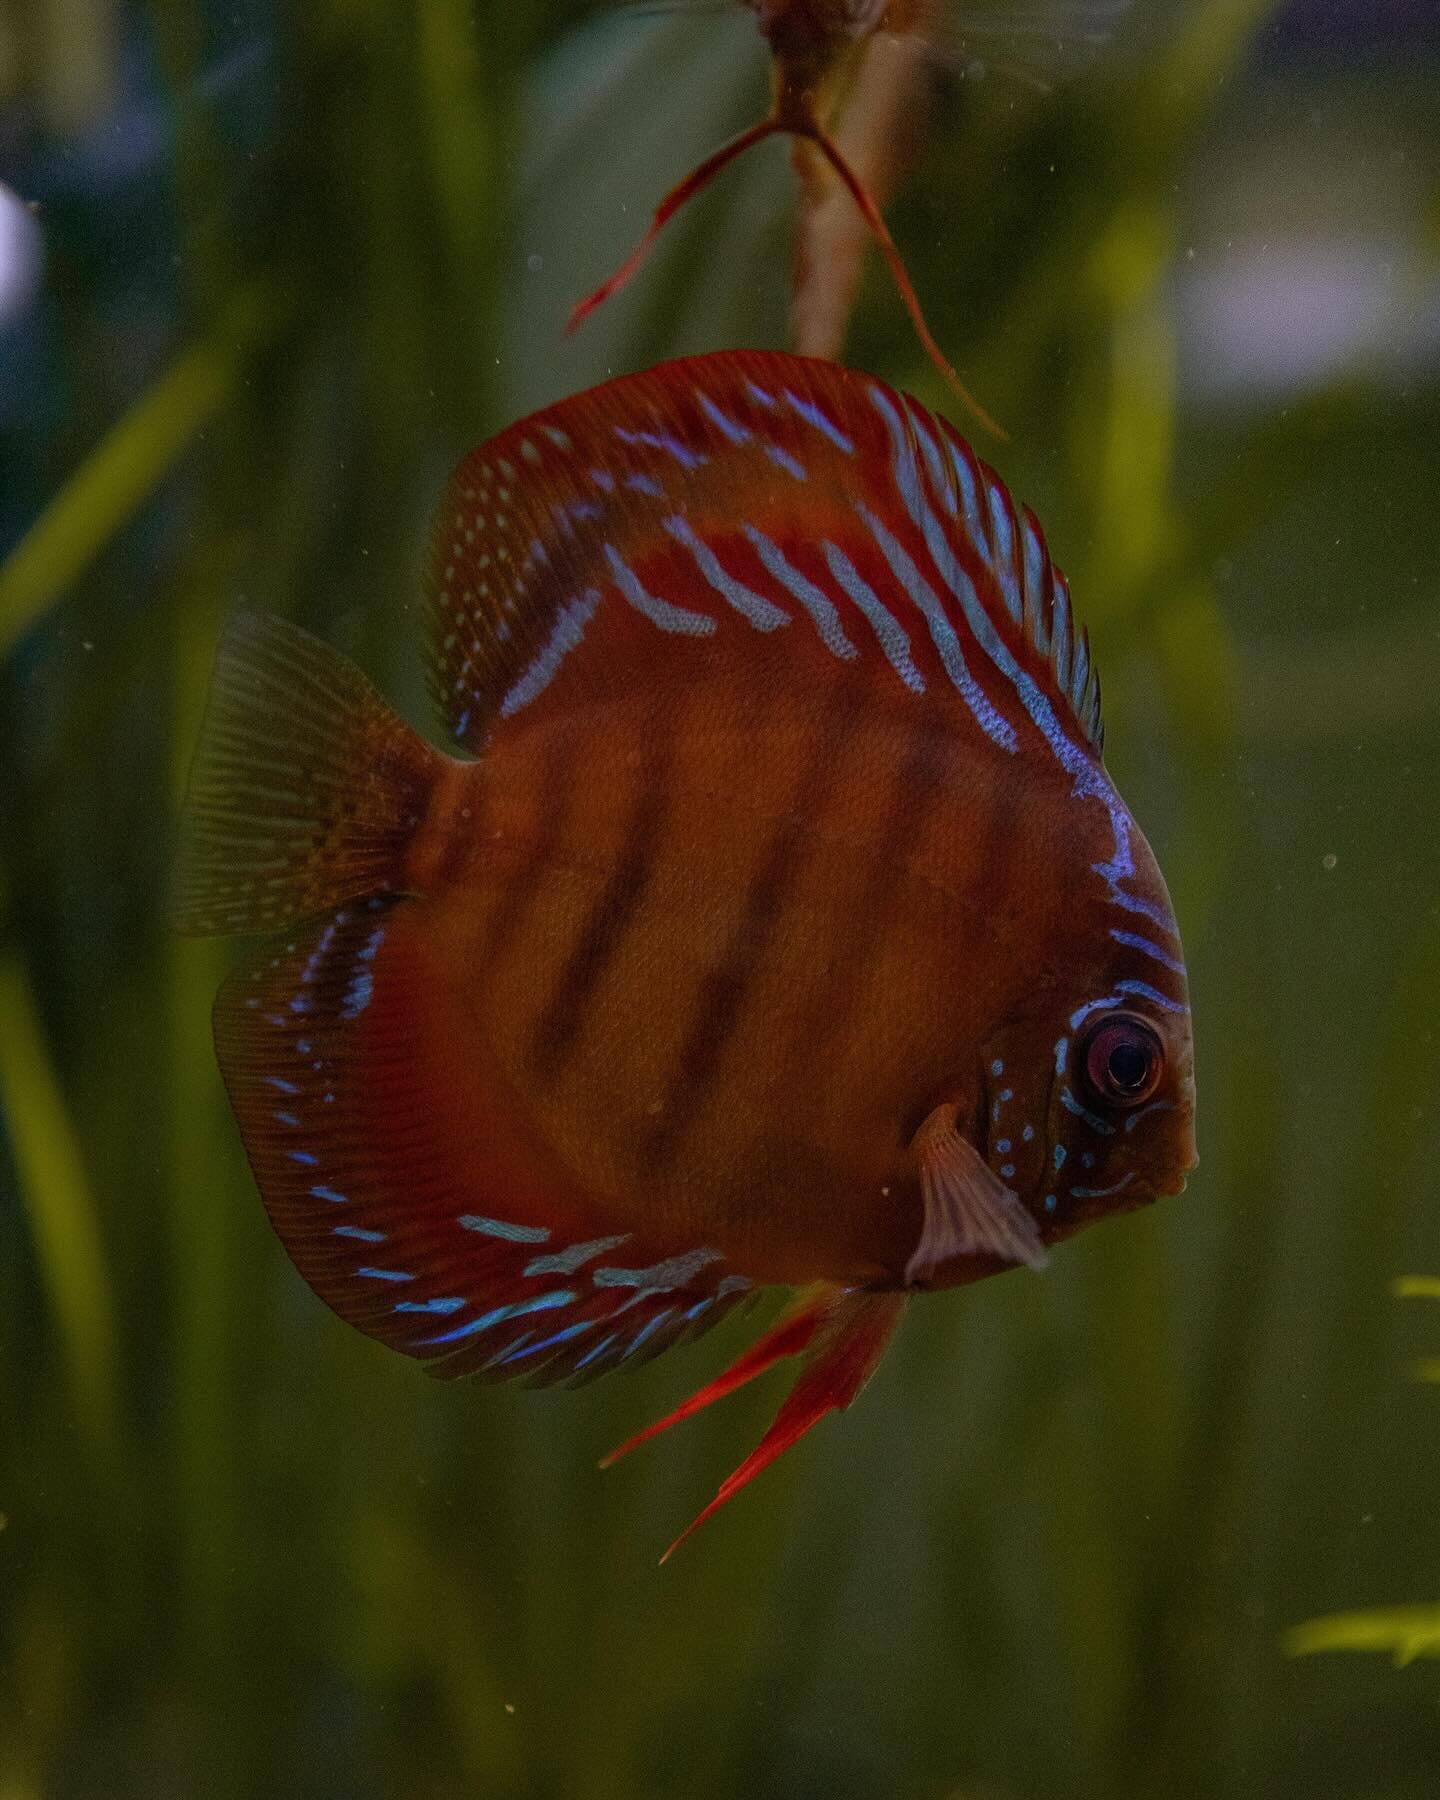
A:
(976, 508)
(663, 521)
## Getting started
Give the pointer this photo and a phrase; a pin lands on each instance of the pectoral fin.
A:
(969, 1211)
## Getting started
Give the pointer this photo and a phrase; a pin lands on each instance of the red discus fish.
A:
(776, 922)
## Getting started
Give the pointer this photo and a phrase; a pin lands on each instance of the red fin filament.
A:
(850, 1343)
(842, 1334)
(705, 172)
(787, 1337)
(699, 177)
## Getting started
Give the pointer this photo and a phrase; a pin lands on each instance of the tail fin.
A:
(843, 1334)
(305, 791)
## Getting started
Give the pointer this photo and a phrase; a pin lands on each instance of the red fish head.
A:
(1089, 1101)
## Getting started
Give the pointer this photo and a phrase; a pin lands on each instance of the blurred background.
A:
(266, 271)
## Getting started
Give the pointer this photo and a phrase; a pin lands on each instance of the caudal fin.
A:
(305, 791)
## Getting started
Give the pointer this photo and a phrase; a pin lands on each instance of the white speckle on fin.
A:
(969, 1211)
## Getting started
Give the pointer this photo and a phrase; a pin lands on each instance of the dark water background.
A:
(287, 264)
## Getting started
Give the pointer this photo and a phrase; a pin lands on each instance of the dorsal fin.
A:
(711, 501)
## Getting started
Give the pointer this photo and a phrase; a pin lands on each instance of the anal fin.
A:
(842, 1333)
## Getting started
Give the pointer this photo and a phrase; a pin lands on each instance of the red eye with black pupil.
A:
(1122, 1061)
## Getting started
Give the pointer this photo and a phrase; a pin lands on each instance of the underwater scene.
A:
(580, 587)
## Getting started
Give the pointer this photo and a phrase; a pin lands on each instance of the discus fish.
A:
(772, 919)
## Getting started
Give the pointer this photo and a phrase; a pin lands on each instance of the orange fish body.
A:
(785, 927)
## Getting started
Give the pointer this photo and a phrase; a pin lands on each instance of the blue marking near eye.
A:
(516, 1309)
(1028, 1133)
(759, 395)
(1006, 1096)
(450, 1304)
(649, 1330)
(385, 1274)
(1002, 1145)
(997, 1067)
(1133, 1119)
(1062, 1048)
(1059, 1158)
(698, 1307)
(1082, 1013)
(501, 1228)
(359, 1231)
(1084, 1193)
(1071, 1104)
(1146, 992)
(1008, 1171)
(329, 1193)
(1087, 1161)
(604, 480)
(645, 484)
(286, 1118)
(285, 1087)
(299, 1004)
(303, 1156)
(1049, 1203)
(302, 1045)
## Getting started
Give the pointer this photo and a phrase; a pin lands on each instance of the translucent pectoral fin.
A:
(969, 1211)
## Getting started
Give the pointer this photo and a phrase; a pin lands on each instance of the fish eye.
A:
(1122, 1060)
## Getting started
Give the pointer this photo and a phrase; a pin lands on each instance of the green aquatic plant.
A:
(1405, 1633)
